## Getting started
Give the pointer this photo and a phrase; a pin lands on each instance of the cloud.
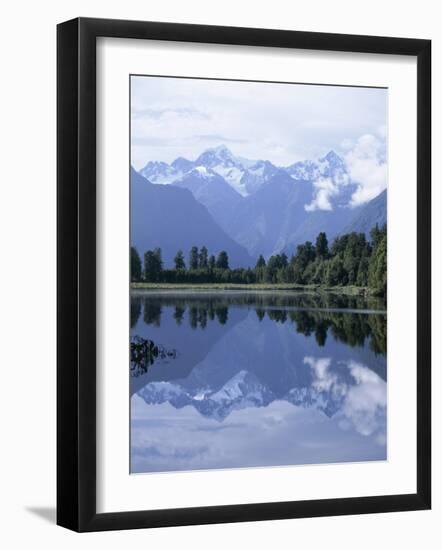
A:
(366, 402)
(324, 379)
(325, 189)
(218, 138)
(366, 164)
(364, 399)
(159, 113)
(282, 123)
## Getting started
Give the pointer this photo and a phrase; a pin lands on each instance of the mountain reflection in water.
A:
(256, 379)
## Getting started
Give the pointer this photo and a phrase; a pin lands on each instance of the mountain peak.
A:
(182, 164)
(223, 149)
(215, 155)
(332, 158)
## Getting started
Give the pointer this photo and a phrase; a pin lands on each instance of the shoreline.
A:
(301, 289)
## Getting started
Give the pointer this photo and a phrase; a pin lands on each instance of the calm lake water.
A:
(235, 379)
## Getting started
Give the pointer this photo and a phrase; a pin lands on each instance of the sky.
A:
(283, 123)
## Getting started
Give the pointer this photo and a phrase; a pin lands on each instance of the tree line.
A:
(351, 259)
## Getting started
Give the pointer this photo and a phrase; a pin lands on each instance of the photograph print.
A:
(258, 274)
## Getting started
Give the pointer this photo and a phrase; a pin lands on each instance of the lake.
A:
(235, 379)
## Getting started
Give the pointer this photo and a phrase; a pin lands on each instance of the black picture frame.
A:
(76, 274)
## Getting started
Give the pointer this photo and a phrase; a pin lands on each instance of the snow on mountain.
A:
(160, 172)
(233, 176)
(221, 160)
(257, 174)
(217, 155)
(330, 166)
(263, 207)
(332, 184)
(182, 165)
(243, 175)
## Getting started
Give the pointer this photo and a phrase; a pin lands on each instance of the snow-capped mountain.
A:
(160, 172)
(247, 176)
(265, 208)
(329, 166)
(243, 175)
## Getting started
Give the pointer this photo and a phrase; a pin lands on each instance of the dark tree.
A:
(179, 260)
(274, 263)
(203, 258)
(222, 262)
(376, 235)
(153, 265)
(377, 271)
(212, 262)
(261, 262)
(158, 256)
(336, 274)
(322, 245)
(193, 258)
(305, 254)
(135, 264)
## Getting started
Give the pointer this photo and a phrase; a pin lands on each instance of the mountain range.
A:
(251, 207)
(171, 218)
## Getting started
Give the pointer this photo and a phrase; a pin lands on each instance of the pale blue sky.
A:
(282, 123)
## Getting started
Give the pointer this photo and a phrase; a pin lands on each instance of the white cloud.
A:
(367, 166)
(282, 123)
(326, 188)
(366, 402)
(324, 379)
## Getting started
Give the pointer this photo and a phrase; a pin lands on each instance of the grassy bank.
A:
(347, 290)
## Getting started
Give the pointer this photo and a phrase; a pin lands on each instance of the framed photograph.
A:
(243, 274)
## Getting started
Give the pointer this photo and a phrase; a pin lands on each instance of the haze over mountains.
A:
(247, 207)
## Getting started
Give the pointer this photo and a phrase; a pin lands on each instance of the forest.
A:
(351, 259)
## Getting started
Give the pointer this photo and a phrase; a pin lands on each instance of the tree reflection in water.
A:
(320, 315)
(143, 354)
